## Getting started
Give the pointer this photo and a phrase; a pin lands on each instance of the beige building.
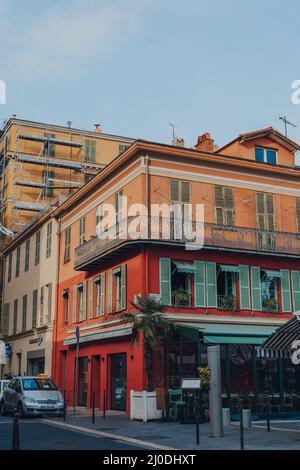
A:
(30, 273)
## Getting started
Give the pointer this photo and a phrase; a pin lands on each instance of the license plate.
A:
(47, 407)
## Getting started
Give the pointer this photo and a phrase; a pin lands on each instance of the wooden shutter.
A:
(199, 284)
(270, 211)
(260, 209)
(211, 284)
(49, 302)
(75, 304)
(255, 288)
(165, 280)
(5, 319)
(42, 306)
(83, 303)
(219, 196)
(102, 294)
(296, 290)
(110, 291)
(91, 298)
(286, 290)
(174, 184)
(123, 287)
(244, 288)
(185, 192)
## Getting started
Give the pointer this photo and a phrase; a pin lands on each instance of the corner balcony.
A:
(216, 237)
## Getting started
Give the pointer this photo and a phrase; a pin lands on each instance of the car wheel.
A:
(20, 410)
(2, 409)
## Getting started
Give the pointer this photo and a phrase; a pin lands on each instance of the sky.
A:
(135, 66)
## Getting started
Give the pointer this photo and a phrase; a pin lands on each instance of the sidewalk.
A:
(283, 436)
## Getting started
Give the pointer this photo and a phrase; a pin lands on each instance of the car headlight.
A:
(60, 399)
(30, 400)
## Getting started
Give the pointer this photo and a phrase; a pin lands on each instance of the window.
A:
(224, 206)
(180, 194)
(82, 230)
(266, 220)
(117, 289)
(27, 254)
(9, 273)
(90, 150)
(100, 294)
(49, 239)
(5, 320)
(67, 244)
(265, 155)
(226, 287)
(82, 301)
(49, 147)
(119, 206)
(49, 303)
(66, 305)
(15, 320)
(42, 306)
(37, 248)
(269, 290)
(34, 307)
(48, 182)
(24, 313)
(181, 273)
(18, 257)
(122, 148)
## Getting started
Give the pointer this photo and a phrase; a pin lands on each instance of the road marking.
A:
(117, 437)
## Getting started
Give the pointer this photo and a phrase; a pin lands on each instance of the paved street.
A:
(37, 435)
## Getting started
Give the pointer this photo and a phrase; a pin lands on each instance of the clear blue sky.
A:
(136, 65)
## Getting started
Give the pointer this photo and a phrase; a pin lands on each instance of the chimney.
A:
(97, 128)
(205, 143)
(178, 142)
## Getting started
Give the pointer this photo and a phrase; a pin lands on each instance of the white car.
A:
(32, 396)
(3, 385)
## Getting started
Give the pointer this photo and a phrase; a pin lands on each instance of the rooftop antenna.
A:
(286, 123)
(69, 123)
(173, 127)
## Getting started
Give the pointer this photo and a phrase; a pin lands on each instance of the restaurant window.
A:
(67, 244)
(224, 204)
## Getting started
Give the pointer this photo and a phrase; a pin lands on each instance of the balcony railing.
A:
(227, 302)
(181, 299)
(215, 236)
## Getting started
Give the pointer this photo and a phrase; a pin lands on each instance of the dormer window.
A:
(265, 155)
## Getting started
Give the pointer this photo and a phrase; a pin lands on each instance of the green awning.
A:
(229, 269)
(185, 267)
(217, 333)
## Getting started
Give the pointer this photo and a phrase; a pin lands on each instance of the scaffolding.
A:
(16, 160)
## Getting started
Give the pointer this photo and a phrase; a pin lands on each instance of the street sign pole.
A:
(76, 369)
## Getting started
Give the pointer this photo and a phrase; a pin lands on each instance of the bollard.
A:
(93, 407)
(241, 429)
(104, 403)
(16, 434)
(268, 416)
(246, 418)
(226, 416)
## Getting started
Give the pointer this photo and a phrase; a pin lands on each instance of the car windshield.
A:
(38, 384)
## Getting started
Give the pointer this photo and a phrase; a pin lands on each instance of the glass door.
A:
(118, 382)
(83, 381)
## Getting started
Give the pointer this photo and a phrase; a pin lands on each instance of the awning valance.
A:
(222, 333)
(272, 274)
(281, 340)
(185, 267)
(229, 269)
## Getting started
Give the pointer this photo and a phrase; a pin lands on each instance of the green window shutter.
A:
(165, 280)
(200, 284)
(285, 290)
(102, 297)
(123, 287)
(49, 303)
(211, 284)
(110, 285)
(83, 306)
(296, 290)
(74, 304)
(91, 298)
(42, 306)
(244, 288)
(255, 288)
(5, 319)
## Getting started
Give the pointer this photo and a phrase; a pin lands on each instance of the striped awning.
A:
(279, 344)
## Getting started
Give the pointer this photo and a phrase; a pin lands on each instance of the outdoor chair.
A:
(175, 402)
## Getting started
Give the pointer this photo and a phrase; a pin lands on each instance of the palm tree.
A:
(149, 320)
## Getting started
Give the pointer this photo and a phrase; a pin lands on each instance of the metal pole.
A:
(268, 415)
(197, 419)
(93, 407)
(16, 434)
(241, 428)
(215, 394)
(76, 375)
(104, 403)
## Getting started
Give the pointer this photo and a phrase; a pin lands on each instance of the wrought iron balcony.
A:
(241, 239)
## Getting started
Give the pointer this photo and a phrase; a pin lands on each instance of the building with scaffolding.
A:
(39, 162)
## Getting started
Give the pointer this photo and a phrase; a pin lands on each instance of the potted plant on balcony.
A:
(269, 304)
(229, 302)
(181, 296)
(155, 328)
